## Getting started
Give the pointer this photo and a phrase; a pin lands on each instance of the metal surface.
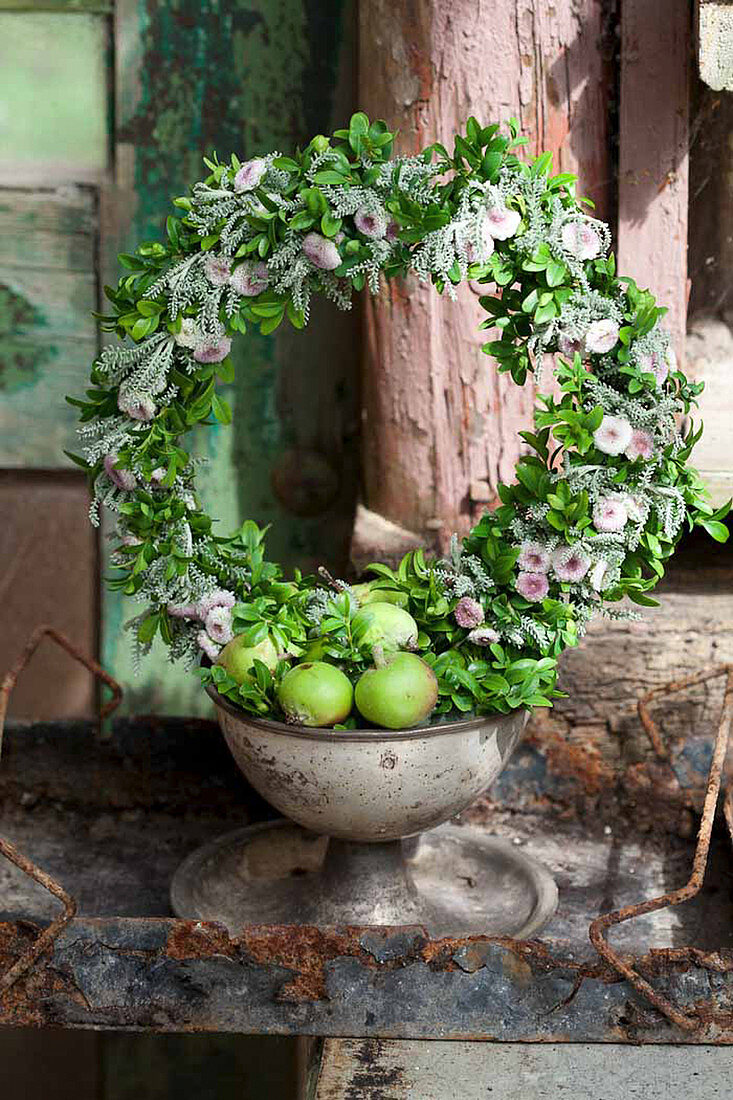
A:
(693, 886)
(370, 785)
(452, 881)
(45, 938)
(112, 817)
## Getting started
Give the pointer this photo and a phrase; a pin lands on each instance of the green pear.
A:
(385, 625)
(237, 659)
(400, 694)
(315, 694)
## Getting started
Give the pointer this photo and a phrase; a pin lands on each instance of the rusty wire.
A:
(11, 853)
(692, 887)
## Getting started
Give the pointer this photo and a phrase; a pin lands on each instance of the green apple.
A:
(398, 695)
(367, 593)
(237, 659)
(385, 625)
(315, 694)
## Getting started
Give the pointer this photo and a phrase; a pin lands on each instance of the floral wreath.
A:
(600, 499)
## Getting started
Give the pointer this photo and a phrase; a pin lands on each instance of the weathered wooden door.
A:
(105, 113)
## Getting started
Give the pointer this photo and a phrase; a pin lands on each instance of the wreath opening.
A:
(601, 498)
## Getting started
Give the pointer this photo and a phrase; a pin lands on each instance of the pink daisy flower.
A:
(136, 406)
(581, 240)
(502, 223)
(533, 557)
(250, 278)
(570, 564)
(210, 648)
(641, 445)
(218, 625)
(123, 479)
(468, 613)
(220, 597)
(569, 345)
(250, 174)
(533, 586)
(609, 514)
(131, 540)
(321, 252)
(189, 335)
(613, 435)
(371, 223)
(601, 336)
(217, 270)
(212, 351)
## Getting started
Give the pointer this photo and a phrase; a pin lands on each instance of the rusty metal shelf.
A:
(111, 818)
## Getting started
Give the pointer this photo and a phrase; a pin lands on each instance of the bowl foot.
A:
(453, 880)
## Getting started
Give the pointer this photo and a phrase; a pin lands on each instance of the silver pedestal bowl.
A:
(363, 840)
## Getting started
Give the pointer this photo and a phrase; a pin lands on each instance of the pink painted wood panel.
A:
(653, 151)
(440, 426)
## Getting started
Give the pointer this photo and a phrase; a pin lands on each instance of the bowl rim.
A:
(319, 733)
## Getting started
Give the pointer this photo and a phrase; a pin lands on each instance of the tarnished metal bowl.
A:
(369, 785)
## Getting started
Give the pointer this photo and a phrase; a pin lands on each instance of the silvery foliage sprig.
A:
(254, 241)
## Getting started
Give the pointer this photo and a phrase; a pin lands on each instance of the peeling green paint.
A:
(242, 76)
(22, 353)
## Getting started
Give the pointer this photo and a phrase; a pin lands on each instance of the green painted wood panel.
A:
(53, 101)
(245, 76)
(48, 288)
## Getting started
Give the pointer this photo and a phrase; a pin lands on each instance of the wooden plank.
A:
(248, 78)
(36, 1064)
(710, 358)
(49, 551)
(49, 137)
(653, 152)
(48, 289)
(398, 1069)
(438, 418)
(715, 43)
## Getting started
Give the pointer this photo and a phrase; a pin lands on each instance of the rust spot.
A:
(199, 940)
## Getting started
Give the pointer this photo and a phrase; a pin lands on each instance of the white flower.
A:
(613, 435)
(211, 649)
(370, 222)
(218, 625)
(217, 270)
(250, 174)
(483, 635)
(189, 336)
(641, 445)
(321, 252)
(534, 557)
(250, 278)
(609, 514)
(599, 576)
(581, 240)
(502, 223)
(158, 475)
(601, 336)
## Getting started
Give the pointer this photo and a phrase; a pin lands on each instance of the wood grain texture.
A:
(653, 152)
(438, 418)
(48, 288)
(49, 575)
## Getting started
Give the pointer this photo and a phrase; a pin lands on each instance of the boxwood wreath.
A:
(601, 497)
